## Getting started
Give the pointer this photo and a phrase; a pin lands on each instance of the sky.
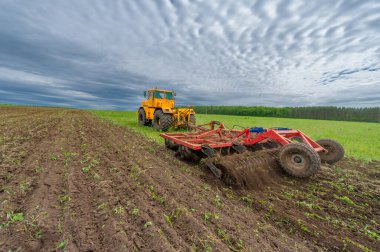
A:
(104, 54)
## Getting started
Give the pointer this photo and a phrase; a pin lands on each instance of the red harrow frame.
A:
(220, 137)
(299, 155)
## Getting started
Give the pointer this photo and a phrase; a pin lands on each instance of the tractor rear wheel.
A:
(335, 151)
(192, 120)
(299, 160)
(189, 122)
(162, 121)
(142, 118)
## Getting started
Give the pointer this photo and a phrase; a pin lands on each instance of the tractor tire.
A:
(192, 120)
(299, 160)
(336, 151)
(162, 121)
(142, 118)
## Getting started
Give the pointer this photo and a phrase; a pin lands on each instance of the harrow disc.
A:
(249, 169)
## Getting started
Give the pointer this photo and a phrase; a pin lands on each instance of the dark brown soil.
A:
(70, 181)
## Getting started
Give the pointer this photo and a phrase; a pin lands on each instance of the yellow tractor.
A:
(159, 110)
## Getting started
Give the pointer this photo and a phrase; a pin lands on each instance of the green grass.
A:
(360, 140)
(8, 105)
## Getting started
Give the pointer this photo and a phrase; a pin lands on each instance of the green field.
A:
(360, 140)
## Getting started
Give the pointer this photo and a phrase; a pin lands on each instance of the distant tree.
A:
(323, 112)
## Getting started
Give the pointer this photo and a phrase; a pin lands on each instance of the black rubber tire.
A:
(142, 118)
(299, 160)
(162, 121)
(336, 151)
(192, 120)
(189, 122)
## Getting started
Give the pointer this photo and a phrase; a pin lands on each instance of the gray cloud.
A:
(104, 54)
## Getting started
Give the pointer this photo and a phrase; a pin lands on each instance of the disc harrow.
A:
(239, 157)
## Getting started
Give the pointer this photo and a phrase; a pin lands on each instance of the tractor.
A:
(158, 110)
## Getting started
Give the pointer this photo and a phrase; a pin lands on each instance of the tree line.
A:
(321, 113)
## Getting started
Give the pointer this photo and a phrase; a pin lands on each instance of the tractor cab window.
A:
(160, 95)
(169, 96)
(150, 95)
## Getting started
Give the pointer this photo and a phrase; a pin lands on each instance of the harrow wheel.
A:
(299, 160)
(335, 151)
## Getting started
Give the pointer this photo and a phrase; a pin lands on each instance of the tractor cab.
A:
(159, 98)
(160, 94)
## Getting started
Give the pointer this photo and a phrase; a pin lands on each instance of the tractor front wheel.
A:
(162, 121)
(335, 151)
(299, 160)
(142, 118)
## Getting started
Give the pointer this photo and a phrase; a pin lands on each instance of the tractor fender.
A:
(166, 110)
(143, 108)
(149, 112)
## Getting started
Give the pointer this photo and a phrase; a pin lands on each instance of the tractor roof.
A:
(161, 90)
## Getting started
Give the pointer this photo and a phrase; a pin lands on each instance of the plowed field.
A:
(70, 181)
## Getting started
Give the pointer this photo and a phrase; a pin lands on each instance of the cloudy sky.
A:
(104, 54)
